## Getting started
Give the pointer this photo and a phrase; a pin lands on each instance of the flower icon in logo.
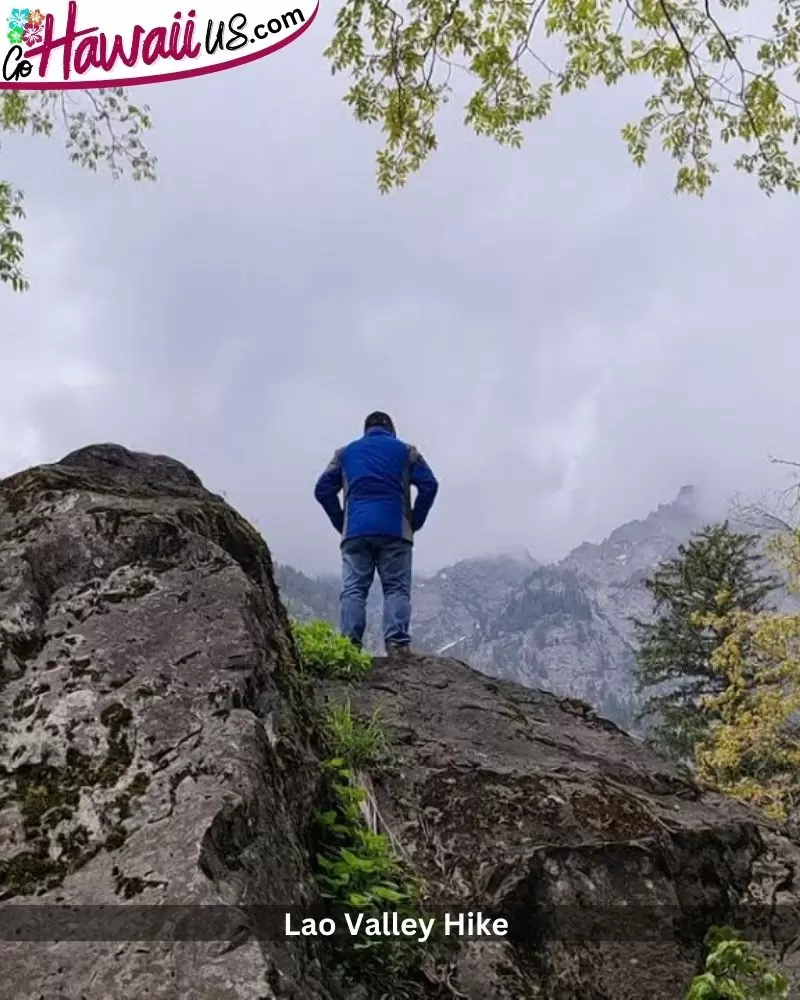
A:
(19, 18)
(32, 34)
(25, 25)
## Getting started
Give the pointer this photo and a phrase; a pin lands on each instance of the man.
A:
(377, 524)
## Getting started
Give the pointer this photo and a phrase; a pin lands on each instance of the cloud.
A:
(47, 339)
(566, 341)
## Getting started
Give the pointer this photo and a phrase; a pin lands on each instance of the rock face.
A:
(608, 864)
(156, 749)
(147, 753)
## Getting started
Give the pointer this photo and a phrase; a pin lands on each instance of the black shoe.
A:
(398, 648)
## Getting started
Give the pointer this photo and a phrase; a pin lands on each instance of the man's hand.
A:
(427, 488)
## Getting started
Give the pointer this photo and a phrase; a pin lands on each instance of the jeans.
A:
(391, 557)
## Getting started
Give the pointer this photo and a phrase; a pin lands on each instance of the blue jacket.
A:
(376, 473)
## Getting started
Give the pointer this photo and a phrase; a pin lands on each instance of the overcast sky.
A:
(565, 340)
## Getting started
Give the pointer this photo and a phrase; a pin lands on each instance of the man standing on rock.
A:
(377, 524)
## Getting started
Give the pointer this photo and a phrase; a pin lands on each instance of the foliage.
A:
(719, 70)
(11, 253)
(327, 654)
(358, 870)
(733, 972)
(102, 128)
(361, 745)
(714, 575)
(752, 751)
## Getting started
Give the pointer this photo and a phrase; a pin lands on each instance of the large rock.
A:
(156, 749)
(147, 751)
(608, 864)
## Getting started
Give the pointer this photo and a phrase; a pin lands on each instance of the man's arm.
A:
(327, 492)
(427, 488)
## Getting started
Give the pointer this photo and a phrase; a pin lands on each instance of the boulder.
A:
(150, 751)
(608, 863)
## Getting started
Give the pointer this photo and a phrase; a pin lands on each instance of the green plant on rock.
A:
(327, 654)
(358, 866)
(360, 744)
(733, 972)
(358, 870)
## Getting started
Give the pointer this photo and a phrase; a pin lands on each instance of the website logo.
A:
(94, 43)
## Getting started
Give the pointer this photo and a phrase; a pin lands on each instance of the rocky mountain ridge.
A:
(159, 755)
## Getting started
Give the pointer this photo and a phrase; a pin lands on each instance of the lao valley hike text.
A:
(391, 924)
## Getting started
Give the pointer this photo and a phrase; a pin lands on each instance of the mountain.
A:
(563, 627)
(168, 799)
(464, 598)
(567, 628)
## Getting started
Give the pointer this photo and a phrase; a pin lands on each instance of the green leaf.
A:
(382, 892)
(708, 84)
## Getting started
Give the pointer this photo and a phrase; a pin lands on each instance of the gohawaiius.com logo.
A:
(95, 43)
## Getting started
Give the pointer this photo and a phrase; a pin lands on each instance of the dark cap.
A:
(379, 419)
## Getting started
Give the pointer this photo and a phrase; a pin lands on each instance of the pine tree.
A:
(715, 574)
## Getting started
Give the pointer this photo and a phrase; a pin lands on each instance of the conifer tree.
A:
(753, 750)
(716, 574)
